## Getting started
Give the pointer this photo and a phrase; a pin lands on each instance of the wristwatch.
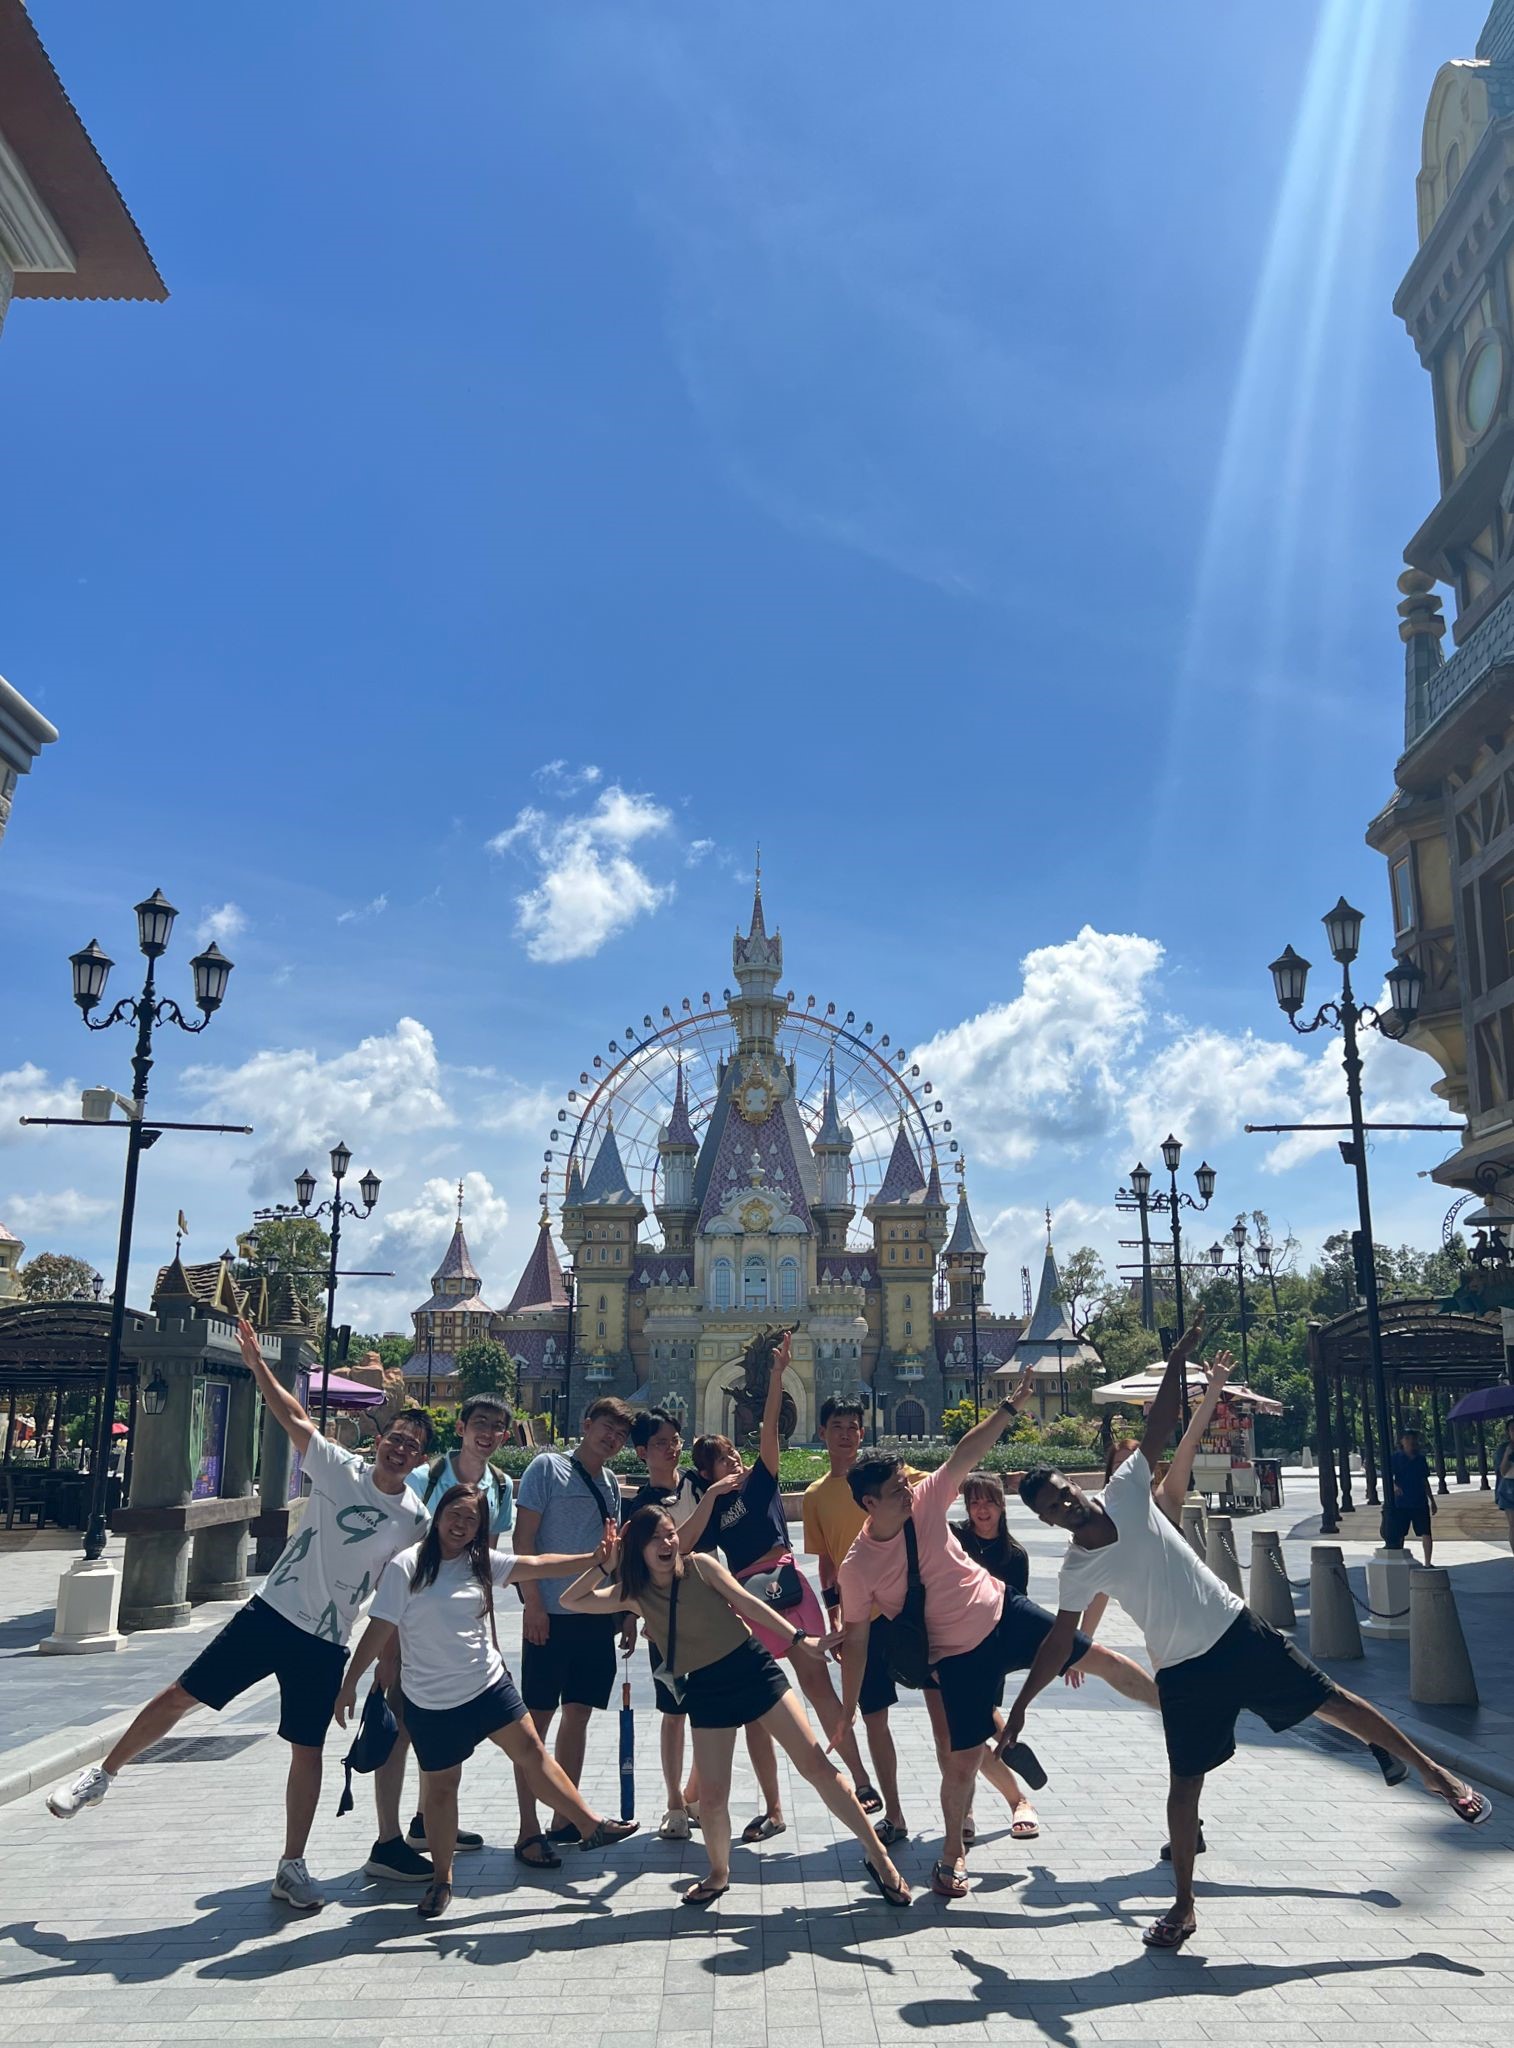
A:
(800, 1635)
(1007, 1406)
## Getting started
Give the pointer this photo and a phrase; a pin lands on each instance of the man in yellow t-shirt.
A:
(832, 1523)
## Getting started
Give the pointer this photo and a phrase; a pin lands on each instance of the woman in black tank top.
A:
(701, 1620)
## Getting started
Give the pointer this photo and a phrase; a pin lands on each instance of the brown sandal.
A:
(547, 1860)
(949, 1883)
(1167, 1933)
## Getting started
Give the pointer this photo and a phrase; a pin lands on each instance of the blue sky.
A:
(969, 456)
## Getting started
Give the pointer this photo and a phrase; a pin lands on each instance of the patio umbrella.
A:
(119, 1429)
(1141, 1388)
(1483, 1402)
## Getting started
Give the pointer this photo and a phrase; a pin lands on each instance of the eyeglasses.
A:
(404, 1440)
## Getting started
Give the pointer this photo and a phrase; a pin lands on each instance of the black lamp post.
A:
(155, 921)
(336, 1207)
(974, 1290)
(1217, 1259)
(1140, 1194)
(1174, 1202)
(1290, 973)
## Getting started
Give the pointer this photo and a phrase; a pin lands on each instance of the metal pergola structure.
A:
(57, 1348)
(1430, 1356)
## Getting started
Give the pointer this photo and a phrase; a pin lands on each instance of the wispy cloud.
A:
(221, 925)
(562, 780)
(588, 887)
(27, 1090)
(375, 908)
(696, 851)
(60, 1210)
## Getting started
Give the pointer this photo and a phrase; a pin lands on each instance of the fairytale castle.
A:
(753, 1202)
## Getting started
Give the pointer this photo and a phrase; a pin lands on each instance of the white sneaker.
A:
(293, 1886)
(88, 1789)
(675, 1825)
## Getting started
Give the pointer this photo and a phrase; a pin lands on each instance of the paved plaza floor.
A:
(1330, 1908)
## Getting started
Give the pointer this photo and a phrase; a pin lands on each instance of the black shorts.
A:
(736, 1689)
(444, 1736)
(1250, 1666)
(1412, 1514)
(972, 1684)
(878, 1689)
(574, 1667)
(259, 1643)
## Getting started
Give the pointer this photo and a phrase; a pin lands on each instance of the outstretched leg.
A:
(1122, 1673)
(1360, 1718)
(786, 1724)
(542, 1776)
(161, 1714)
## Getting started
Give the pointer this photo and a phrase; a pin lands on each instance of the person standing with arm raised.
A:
(1212, 1655)
(356, 1519)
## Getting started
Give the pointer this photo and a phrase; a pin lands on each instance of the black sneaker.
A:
(1393, 1768)
(415, 1834)
(398, 1862)
(1199, 1847)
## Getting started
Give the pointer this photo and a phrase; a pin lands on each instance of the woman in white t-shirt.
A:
(439, 1597)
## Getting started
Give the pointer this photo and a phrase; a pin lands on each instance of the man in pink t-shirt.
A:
(977, 1631)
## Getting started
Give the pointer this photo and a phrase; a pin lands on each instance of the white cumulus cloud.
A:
(61, 1209)
(588, 887)
(563, 780)
(27, 1091)
(221, 925)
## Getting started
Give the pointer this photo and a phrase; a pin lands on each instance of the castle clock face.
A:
(1482, 385)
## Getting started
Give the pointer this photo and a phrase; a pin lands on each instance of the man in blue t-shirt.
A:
(1413, 1502)
(568, 1660)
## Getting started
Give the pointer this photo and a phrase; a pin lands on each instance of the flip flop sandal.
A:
(891, 1831)
(547, 1860)
(434, 1901)
(704, 1893)
(1472, 1807)
(607, 1832)
(1026, 1829)
(948, 1883)
(763, 1828)
(1168, 1933)
(896, 1895)
(870, 1799)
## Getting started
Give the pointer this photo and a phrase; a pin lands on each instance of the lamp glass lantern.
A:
(91, 972)
(304, 1189)
(341, 1159)
(1290, 976)
(1172, 1152)
(211, 970)
(155, 921)
(1405, 986)
(1238, 1234)
(1216, 1256)
(1140, 1181)
(1343, 930)
(1204, 1175)
(369, 1187)
(155, 1395)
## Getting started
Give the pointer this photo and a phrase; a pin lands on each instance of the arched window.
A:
(720, 1283)
(601, 1329)
(1453, 168)
(603, 1304)
(788, 1283)
(754, 1283)
(908, 1304)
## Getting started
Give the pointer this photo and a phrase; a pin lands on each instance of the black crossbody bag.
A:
(674, 1686)
(909, 1661)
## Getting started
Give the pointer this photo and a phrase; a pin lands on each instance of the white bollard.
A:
(1193, 1525)
(1333, 1628)
(1388, 1575)
(1306, 1459)
(1440, 1671)
(1271, 1595)
(1219, 1554)
(89, 1599)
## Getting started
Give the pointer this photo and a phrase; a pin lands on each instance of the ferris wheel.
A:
(632, 1082)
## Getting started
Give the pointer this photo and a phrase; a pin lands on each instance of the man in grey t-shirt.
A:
(568, 1662)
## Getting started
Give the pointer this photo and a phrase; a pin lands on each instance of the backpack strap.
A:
(434, 1479)
(587, 1477)
(912, 1557)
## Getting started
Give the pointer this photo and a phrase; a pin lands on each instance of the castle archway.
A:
(722, 1415)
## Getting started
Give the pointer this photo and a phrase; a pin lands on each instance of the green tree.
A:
(1084, 1284)
(294, 1245)
(57, 1276)
(394, 1351)
(485, 1369)
(956, 1422)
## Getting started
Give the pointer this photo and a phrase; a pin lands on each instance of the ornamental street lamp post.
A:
(1217, 1259)
(975, 1287)
(336, 1206)
(1174, 1202)
(91, 970)
(1343, 928)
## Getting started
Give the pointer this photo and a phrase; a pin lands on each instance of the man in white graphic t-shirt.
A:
(357, 1517)
(1212, 1656)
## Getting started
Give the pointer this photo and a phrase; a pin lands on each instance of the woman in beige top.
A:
(698, 1616)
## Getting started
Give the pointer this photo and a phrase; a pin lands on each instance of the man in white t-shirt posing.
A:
(357, 1517)
(1212, 1656)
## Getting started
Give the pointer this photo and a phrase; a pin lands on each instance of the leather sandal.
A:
(547, 1860)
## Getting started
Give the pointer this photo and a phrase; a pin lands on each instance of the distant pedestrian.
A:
(1504, 1491)
(1413, 1501)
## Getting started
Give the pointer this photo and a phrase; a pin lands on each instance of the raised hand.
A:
(1024, 1387)
(727, 1483)
(1220, 1369)
(252, 1350)
(781, 1352)
(607, 1555)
